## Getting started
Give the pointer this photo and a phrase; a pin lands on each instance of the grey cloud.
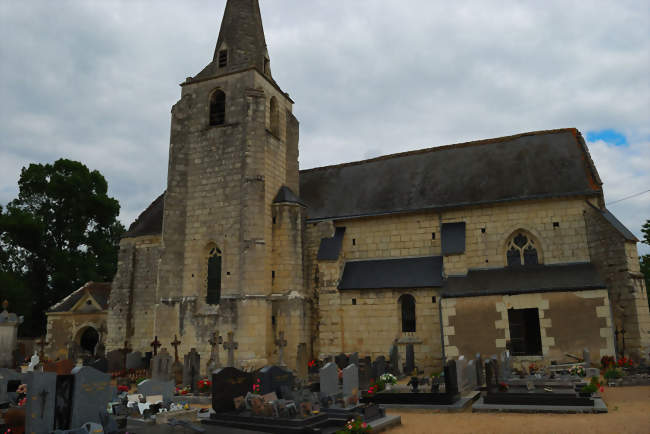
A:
(95, 81)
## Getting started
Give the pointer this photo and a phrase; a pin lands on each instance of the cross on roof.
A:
(175, 344)
(155, 344)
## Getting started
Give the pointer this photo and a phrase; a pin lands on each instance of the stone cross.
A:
(175, 344)
(155, 344)
(215, 341)
(231, 346)
(281, 343)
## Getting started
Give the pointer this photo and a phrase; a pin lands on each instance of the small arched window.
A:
(218, 108)
(407, 303)
(214, 276)
(274, 116)
(522, 251)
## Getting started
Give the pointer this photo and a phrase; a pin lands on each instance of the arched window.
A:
(218, 108)
(407, 303)
(214, 276)
(274, 116)
(522, 250)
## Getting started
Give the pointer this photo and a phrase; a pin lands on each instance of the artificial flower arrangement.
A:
(388, 378)
(578, 370)
(503, 387)
(613, 373)
(204, 385)
(256, 386)
(182, 390)
(593, 387)
(123, 388)
(355, 426)
(624, 362)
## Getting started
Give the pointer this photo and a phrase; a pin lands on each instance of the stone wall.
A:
(65, 327)
(569, 322)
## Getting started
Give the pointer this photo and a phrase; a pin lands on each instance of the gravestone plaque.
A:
(7, 376)
(192, 369)
(409, 366)
(342, 360)
(155, 387)
(394, 358)
(329, 379)
(451, 381)
(134, 360)
(354, 359)
(273, 378)
(302, 362)
(115, 360)
(161, 366)
(92, 392)
(379, 367)
(351, 382)
(227, 384)
(39, 411)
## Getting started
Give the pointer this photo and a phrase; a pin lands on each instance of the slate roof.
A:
(285, 195)
(150, 221)
(616, 224)
(330, 248)
(99, 291)
(421, 272)
(532, 165)
(518, 280)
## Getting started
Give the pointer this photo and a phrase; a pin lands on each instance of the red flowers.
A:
(624, 361)
(204, 385)
(122, 388)
(256, 386)
(312, 363)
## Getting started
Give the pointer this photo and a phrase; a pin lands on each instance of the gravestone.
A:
(491, 381)
(394, 358)
(177, 366)
(155, 387)
(7, 376)
(354, 359)
(214, 363)
(134, 360)
(460, 372)
(480, 370)
(409, 366)
(115, 360)
(329, 379)
(497, 369)
(451, 381)
(9, 323)
(379, 367)
(227, 384)
(351, 382)
(506, 367)
(39, 410)
(470, 376)
(231, 346)
(63, 401)
(273, 379)
(586, 356)
(365, 373)
(100, 364)
(92, 392)
(192, 369)
(161, 366)
(302, 362)
(342, 360)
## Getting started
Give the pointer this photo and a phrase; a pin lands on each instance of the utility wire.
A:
(626, 198)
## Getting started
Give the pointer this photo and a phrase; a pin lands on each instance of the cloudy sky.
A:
(94, 81)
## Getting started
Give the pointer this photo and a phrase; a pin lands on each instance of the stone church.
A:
(459, 249)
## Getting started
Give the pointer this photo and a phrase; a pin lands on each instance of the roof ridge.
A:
(472, 143)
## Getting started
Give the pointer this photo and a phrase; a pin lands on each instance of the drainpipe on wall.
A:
(442, 332)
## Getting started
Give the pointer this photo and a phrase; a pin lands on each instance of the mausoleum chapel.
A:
(477, 247)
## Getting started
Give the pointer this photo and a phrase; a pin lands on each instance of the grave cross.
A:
(215, 341)
(155, 344)
(43, 396)
(281, 343)
(42, 344)
(231, 346)
(175, 344)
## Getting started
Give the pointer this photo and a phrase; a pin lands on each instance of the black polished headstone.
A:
(273, 378)
(227, 384)
(451, 379)
(394, 359)
(378, 367)
(100, 364)
(115, 361)
(409, 367)
(342, 361)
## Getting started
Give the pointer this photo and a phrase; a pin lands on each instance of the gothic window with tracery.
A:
(214, 276)
(522, 251)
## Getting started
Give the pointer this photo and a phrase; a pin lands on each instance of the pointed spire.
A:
(241, 42)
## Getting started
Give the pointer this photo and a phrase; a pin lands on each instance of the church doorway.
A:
(88, 340)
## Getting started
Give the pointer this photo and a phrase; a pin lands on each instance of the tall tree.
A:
(645, 260)
(60, 232)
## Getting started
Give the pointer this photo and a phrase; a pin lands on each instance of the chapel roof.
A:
(533, 165)
(98, 291)
(150, 221)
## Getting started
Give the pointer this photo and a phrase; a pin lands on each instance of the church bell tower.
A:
(232, 191)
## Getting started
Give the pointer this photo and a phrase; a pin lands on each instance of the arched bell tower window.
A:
(522, 250)
(214, 276)
(274, 116)
(407, 304)
(218, 108)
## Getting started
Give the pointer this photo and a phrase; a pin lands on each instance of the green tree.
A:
(645, 260)
(60, 232)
